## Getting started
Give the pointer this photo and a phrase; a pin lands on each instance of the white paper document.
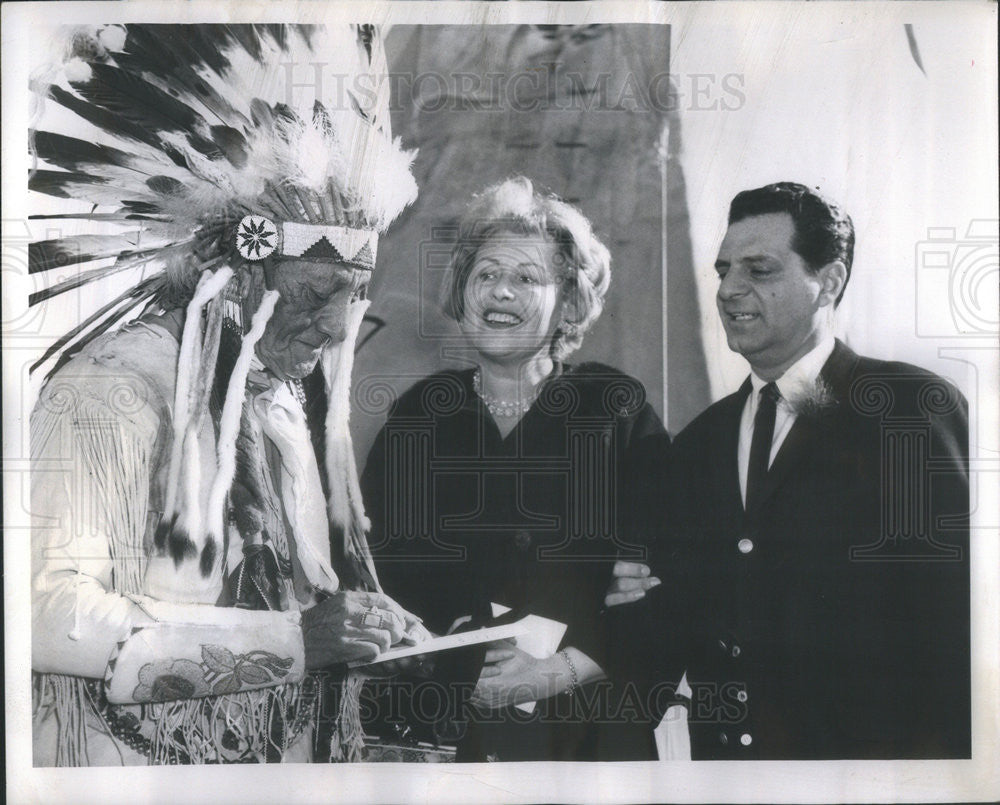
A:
(485, 635)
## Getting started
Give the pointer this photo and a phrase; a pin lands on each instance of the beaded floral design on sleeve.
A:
(220, 671)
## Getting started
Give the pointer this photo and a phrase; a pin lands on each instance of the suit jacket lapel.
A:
(838, 371)
(807, 428)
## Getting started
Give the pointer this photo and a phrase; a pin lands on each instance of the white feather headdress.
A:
(200, 149)
(174, 133)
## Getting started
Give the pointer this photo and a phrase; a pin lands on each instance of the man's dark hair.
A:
(823, 231)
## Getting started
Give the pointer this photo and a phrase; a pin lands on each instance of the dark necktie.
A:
(760, 446)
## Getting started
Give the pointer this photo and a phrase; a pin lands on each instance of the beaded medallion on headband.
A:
(258, 237)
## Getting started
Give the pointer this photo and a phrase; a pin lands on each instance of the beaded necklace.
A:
(505, 409)
(299, 391)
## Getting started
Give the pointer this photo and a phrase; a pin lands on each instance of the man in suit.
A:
(815, 551)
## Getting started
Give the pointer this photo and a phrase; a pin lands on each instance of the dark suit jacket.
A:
(833, 622)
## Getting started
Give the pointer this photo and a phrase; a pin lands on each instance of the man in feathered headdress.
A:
(193, 468)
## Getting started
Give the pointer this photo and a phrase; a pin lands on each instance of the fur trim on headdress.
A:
(182, 536)
(208, 287)
(229, 424)
(346, 508)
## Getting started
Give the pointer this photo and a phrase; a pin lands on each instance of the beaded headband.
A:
(258, 237)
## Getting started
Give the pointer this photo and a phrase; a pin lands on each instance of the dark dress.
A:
(462, 517)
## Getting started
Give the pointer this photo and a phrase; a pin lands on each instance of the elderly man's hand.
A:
(352, 625)
(630, 583)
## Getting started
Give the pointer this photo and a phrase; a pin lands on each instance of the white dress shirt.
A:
(800, 375)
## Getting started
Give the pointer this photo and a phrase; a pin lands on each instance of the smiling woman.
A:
(518, 481)
(528, 278)
(510, 226)
(512, 304)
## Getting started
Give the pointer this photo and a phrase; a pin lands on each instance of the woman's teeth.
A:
(496, 317)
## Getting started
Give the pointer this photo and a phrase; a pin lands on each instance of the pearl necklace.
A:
(505, 409)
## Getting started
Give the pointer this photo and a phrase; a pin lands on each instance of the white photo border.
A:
(868, 781)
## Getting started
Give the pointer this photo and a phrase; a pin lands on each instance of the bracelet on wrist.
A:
(574, 678)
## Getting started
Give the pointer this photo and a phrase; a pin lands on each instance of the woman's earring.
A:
(568, 327)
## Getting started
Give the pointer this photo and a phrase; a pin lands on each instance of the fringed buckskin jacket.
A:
(121, 678)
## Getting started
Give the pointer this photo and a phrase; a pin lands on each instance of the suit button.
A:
(522, 539)
(746, 739)
(723, 738)
(745, 545)
(736, 650)
(741, 696)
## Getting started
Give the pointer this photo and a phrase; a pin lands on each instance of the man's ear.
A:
(833, 277)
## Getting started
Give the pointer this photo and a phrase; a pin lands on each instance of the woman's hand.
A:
(510, 676)
(630, 583)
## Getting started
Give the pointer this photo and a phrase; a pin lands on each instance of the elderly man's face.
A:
(310, 313)
(771, 304)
